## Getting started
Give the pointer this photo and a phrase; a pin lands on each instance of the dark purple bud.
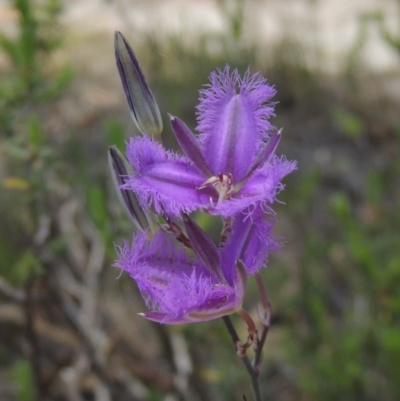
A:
(142, 105)
(189, 144)
(129, 202)
(205, 249)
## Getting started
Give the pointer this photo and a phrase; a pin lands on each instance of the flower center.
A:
(222, 183)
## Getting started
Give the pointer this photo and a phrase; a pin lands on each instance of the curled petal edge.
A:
(239, 283)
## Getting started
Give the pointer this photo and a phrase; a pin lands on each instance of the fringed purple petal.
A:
(260, 189)
(176, 287)
(159, 256)
(214, 303)
(251, 240)
(233, 120)
(165, 180)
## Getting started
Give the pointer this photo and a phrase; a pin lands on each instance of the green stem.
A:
(251, 370)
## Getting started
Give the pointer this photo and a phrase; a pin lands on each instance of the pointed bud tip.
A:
(116, 162)
(118, 38)
(113, 151)
(142, 104)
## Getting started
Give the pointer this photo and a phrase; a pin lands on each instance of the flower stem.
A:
(251, 327)
(266, 306)
(251, 370)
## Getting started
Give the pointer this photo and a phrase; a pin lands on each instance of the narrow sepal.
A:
(205, 248)
(250, 240)
(142, 105)
(189, 144)
(265, 154)
(128, 200)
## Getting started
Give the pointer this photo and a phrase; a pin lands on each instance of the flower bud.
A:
(127, 198)
(142, 105)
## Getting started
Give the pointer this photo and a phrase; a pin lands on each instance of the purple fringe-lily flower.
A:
(229, 167)
(180, 287)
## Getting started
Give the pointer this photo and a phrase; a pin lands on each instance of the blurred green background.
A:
(68, 327)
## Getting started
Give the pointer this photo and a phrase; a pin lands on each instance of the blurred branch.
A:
(32, 337)
(8, 291)
(183, 364)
